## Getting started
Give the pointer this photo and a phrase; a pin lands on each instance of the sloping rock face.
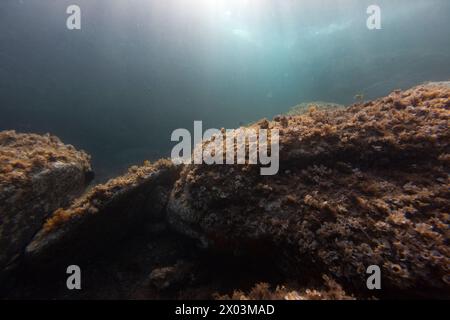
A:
(37, 175)
(106, 214)
(366, 185)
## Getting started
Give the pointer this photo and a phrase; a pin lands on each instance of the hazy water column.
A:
(140, 69)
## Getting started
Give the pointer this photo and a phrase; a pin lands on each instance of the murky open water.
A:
(137, 70)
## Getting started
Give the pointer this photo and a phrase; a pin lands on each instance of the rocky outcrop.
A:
(357, 186)
(366, 185)
(38, 174)
(166, 277)
(105, 215)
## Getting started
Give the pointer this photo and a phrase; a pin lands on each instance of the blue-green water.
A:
(138, 69)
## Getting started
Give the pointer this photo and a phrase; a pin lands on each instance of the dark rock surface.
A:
(361, 186)
(106, 214)
(38, 174)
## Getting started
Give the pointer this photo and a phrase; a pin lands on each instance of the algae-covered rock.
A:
(329, 290)
(360, 186)
(304, 107)
(106, 214)
(37, 175)
(357, 186)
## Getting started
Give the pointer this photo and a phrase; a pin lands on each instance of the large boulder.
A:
(38, 174)
(360, 186)
(105, 215)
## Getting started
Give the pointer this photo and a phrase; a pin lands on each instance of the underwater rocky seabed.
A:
(357, 186)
